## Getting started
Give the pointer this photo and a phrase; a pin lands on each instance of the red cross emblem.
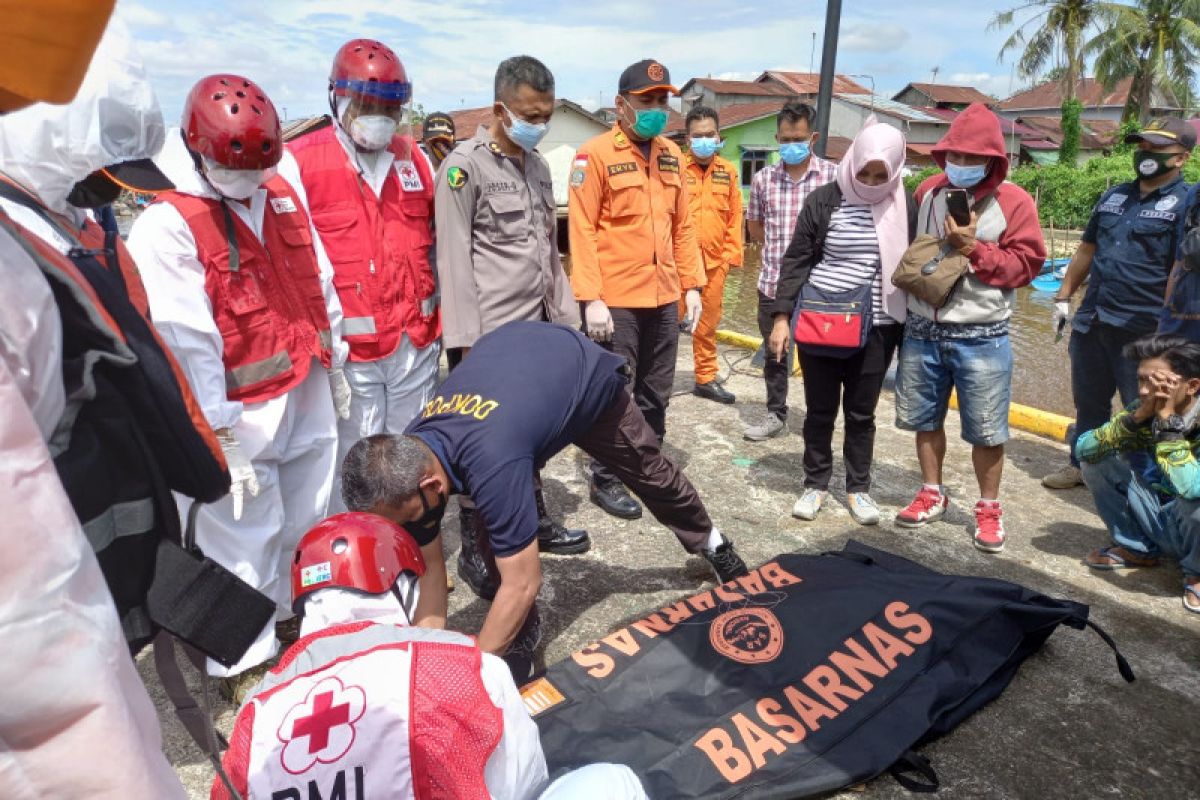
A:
(407, 171)
(321, 727)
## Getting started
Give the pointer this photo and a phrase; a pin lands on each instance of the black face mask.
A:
(94, 191)
(1150, 165)
(430, 522)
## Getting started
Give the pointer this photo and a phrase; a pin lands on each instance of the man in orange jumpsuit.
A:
(633, 251)
(715, 200)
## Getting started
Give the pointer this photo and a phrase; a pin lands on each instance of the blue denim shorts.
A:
(981, 371)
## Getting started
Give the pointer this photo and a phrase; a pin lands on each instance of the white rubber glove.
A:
(428, 306)
(691, 301)
(1060, 318)
(341, 392)
(241, 471)
(599, 321)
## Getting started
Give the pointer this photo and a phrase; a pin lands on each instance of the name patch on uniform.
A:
(283, 205)
(620, 169)
(1170, 216)
(668, 163)
(499, 187)
(721, 177)
(317, 573)
(456, 178)
(410, 179)
(1108, 208)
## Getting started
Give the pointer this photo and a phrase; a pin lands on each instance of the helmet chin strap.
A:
(406, 603)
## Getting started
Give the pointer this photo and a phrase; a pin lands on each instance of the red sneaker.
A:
(928, 506)
(989, 527)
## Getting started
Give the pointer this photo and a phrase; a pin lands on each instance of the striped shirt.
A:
(850, 257)
(775, 201)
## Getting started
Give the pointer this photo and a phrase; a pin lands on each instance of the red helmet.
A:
(232, 121)
(365, 69)
(354, 550)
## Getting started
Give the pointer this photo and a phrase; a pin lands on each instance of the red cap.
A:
(355, 550)
(232, 121)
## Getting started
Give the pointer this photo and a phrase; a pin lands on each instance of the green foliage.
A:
(913, 181)
(1066, 195)
(1068, 153)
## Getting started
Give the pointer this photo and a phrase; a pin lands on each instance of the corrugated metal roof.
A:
(890, 107)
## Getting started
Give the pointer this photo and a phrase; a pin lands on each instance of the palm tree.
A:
(1154, 42)
(1052, 35)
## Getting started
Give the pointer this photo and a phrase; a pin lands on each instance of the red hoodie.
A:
(1015, 258)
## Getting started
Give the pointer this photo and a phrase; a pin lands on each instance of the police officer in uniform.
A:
(498, 256)
(1127, 249)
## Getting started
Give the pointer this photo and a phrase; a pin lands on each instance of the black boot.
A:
(556, 539)
(611, 495)
(476, 565)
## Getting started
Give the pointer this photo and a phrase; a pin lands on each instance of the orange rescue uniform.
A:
(715, 202)
(632, 240)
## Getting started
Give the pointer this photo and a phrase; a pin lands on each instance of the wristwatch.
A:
(1173, 426)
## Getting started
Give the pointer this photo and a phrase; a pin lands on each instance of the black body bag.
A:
(811, 674)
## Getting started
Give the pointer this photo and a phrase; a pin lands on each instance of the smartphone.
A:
(957, 205)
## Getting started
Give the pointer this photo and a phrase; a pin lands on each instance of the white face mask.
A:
(373, 131)
(236, 184)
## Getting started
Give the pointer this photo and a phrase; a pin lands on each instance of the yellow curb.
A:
(1024, 418)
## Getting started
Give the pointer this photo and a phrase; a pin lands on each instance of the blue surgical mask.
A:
(649, 122)
(704, 146)
(794, 152)
(525, 135)
(965, 177)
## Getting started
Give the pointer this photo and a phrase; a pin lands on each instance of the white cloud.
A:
(136, 15)
(998, 86)
(874, 38)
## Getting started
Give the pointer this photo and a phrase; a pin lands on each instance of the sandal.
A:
(1192, 589)
(1119, 558)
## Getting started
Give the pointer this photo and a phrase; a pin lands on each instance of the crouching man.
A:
(1147, 520)
(528, 390)
(364, 705)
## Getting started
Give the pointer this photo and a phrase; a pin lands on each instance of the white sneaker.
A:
(809, 504)
(1066, 478)
(863, 509)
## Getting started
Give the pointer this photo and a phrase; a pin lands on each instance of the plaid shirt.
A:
(776, 200)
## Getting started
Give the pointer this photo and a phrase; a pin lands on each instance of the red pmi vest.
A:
(371, 711)
(378, 246)
(266, 296)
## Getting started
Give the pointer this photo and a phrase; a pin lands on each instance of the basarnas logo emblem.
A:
(321, 727)
(456, 177)
(747, 635)
(655, 72)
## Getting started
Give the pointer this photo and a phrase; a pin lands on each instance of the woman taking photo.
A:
(851, 234)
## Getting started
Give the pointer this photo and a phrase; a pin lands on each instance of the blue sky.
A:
(451, 48)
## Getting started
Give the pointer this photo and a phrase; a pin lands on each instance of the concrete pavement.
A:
(1068, 726)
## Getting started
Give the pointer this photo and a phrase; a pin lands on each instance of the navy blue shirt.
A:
(1135, 249)
(525, 391)
(1181, 312)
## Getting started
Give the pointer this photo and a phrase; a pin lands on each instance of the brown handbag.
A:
(930, 268)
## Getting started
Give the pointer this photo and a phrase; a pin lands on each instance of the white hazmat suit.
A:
(290, 440)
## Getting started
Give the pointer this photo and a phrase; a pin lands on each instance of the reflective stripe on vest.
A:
(378, 245)
(120, 519)
(257, 372)
(266, 295)
(358, 326)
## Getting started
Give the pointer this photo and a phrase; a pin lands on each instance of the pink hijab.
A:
(889, 208)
